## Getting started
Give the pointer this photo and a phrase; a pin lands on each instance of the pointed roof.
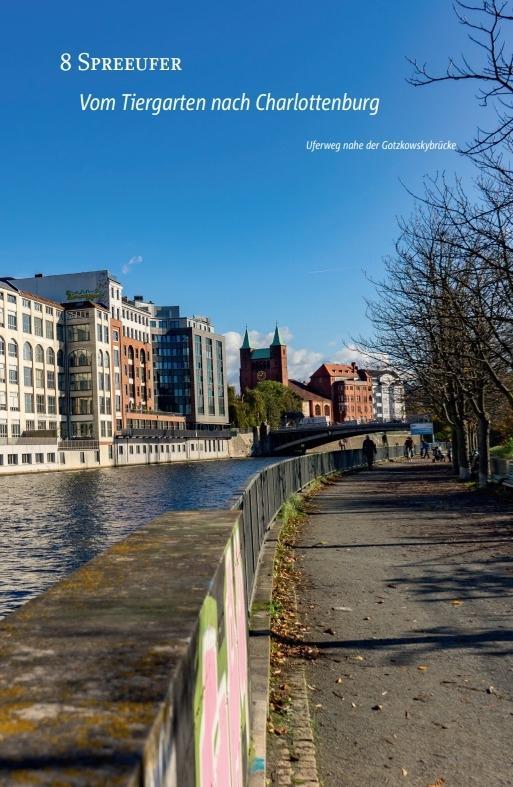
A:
(245, 344)
(277, 342)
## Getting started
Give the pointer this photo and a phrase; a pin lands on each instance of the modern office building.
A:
(189, 366)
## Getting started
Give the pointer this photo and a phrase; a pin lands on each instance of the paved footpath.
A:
(407, 594)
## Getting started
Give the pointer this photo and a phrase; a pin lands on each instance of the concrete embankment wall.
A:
(134, 670)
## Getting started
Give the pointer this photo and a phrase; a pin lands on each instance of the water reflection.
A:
(54, 522)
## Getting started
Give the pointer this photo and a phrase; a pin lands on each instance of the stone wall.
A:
(134, 669)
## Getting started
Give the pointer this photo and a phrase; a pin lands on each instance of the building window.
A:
(50, 458)
(40, 458)
(27, 323)
(82, 457)
(12, 459)
(38, 326)
(26, 459)
(12, 321)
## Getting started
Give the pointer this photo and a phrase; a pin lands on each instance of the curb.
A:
(259, 658)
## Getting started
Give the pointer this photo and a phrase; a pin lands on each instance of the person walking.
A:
(369, 451)
(424, 449)
(408, 448)
(384, 440)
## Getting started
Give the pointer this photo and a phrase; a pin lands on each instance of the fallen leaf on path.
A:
(377, 707)
(329, 630)
(422, 668)
(358, 658)
(318, 705)
(404, 772)
(439, 783)
(456, 602)
(353, 704)
(342, 609)
(491, 690)
(339, 680)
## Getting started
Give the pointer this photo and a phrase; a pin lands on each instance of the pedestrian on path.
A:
(408, 448)
(424, 449)
(369, 451)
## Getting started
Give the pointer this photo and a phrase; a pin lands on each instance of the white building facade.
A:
(388, 401)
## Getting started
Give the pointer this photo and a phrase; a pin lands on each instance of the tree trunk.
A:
(455, 455)
(483, 442)
(463, 452)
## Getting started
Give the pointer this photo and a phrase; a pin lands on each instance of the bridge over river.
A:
(297, 440)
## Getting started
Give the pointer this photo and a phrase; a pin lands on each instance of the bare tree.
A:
(490, 29)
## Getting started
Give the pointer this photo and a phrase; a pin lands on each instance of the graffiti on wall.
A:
(221, 725)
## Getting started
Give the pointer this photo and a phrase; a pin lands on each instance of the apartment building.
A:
(348, 387)
(388, 399)
(30, 362)
(86, 404)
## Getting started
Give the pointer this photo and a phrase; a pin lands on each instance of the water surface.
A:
(52, 523)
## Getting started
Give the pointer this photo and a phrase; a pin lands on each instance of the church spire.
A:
(277, 342)
(245, 344)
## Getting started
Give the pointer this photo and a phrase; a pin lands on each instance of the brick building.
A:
(312, 404)
(349, 389)
(268, 363)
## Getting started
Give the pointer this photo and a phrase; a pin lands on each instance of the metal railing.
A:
(266, 492)
(79, 445)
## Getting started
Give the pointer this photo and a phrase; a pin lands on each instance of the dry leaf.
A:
(422, 668)
(439, 783)
(456, 602)
(329, 630)
(377, 707)
(359, 658)
(404, 772)
(491, 690)
(339, 680)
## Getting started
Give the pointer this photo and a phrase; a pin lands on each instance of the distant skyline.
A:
(225, 214)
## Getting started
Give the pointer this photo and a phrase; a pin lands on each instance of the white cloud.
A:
(349, 353)
(132, 261)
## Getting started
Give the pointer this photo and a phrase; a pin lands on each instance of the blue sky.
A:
(230, 214)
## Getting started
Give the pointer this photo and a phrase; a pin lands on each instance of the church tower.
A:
(266, 363)
(245, 364)
(278, 367)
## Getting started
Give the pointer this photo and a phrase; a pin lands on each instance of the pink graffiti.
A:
(224, 723)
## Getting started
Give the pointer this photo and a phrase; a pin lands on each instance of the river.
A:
(52, 523)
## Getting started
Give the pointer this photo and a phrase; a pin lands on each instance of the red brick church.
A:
(267, 363)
